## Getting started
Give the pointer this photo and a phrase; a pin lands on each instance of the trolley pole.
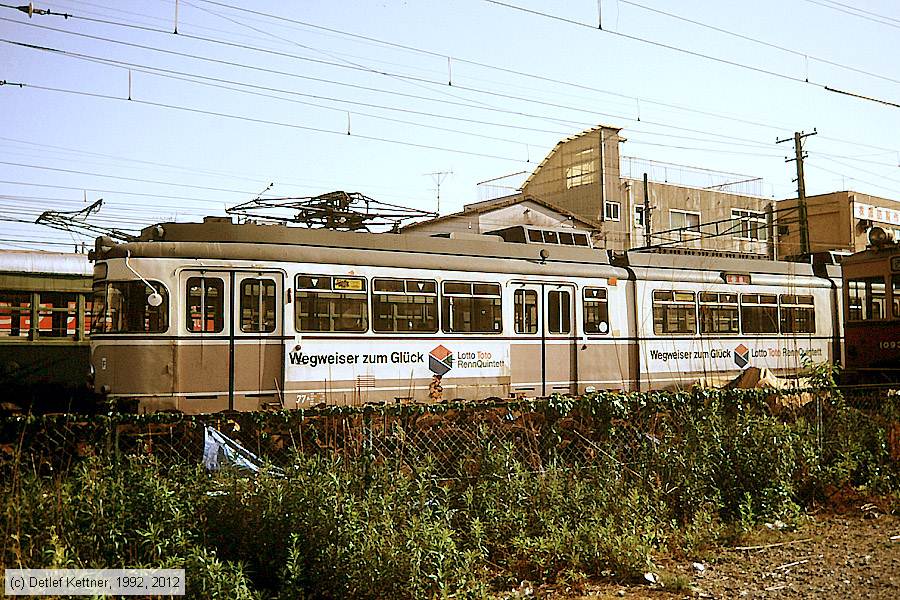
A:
(801, 186)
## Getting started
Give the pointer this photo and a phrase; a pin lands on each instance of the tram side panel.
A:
(694, 329)
(375, 334)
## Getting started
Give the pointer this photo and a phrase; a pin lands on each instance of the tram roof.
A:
(40, 262)
(219, 233)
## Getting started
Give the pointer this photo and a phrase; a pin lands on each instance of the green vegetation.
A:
(462, 503)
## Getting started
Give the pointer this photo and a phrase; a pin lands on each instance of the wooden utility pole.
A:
(801, 186)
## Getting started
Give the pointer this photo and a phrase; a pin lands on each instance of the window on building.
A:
(759, 313)
(471, 307)
(749, 225)
(866, 299)
(123, 307)
(404, 305)
(559, 311)
(258, 306)
(57, 314)
(674, 313)
(526, 314)
(639, 216)
(582, 170)
(205, 304)
(596, 311)
(688, 221)
(15, 314)
(612, 211)
(328, 303)
(719, 313)
(798, 313)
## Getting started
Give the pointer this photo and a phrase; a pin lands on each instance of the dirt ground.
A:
(833, 556)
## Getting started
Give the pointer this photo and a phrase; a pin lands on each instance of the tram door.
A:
(256, 375)
(543, 349)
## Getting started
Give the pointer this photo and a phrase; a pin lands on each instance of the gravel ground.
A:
(832, 556)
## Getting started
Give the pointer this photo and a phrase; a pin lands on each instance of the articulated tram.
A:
(204, 317)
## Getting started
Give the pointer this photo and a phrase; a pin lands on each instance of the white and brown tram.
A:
(211, 316)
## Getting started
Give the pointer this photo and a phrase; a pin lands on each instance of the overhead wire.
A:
(754, 40)
(518, 113)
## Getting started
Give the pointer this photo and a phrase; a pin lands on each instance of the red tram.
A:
(872, 311)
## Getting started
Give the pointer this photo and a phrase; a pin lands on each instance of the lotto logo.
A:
(741, 356)
(440, 361)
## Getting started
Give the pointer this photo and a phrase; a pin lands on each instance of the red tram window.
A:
(15, 314)
(57, 314)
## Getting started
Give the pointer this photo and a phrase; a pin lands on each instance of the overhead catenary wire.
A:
(422, 79)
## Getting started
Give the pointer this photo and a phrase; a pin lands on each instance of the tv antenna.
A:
(438, 177)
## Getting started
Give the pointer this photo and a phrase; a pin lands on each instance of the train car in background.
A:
(203, 317)
(45, 311)
(872, 311)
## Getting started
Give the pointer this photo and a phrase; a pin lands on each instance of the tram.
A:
(212, 316)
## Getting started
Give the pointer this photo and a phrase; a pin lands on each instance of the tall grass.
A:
(330, 527)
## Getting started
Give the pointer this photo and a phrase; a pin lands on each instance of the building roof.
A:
(560, 144)
(489, 205)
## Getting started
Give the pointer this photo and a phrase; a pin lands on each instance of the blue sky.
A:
(239, 99)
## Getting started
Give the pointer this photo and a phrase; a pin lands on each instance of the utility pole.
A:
(439, 177)
(801, 186)
(646, 212)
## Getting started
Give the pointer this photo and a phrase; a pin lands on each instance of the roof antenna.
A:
(439, 177)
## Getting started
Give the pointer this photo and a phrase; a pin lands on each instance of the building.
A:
(585, 182)
(836, 221)
(492, 215)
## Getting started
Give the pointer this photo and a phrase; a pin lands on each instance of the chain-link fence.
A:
(630, 431)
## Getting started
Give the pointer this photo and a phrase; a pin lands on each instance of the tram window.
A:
(122, 307)
(57, 314)
(581, 239)
(719, 313)
(674, 313)
(15, 314)
(535, 235)
(596, 311)
(257, 306)
(566, 238)
(526, 315)
(404, 305)
(866, 299)
(798, 314)
(328, 303)
(471, 307)
(550, 237)
(759, 313)
(895, 294)
(88, 316)
(559, 309)
(205, 304)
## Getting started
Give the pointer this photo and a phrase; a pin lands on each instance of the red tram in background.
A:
(872, 311)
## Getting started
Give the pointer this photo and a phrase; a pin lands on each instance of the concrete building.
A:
(585, 182)
(836, 221)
